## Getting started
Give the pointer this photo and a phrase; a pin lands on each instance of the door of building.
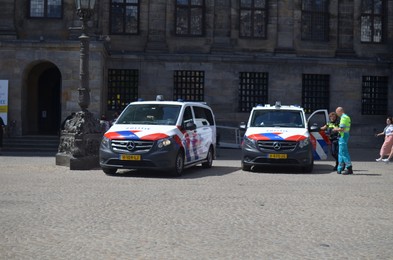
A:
(42, 106)
(49, 101)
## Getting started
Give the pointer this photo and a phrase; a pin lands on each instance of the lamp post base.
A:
(80, 142)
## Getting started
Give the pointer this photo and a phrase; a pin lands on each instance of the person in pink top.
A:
(387, 146)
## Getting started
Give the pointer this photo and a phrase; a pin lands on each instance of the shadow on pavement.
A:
(190, 173)
(318, 169)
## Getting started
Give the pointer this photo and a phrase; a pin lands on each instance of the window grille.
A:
(372, 21)
(122, 88)
(190, 17)
(253, 90)
(315, 92)
(189, 85)
(253, 18)
(124, 17)
(315, 20)
(374, 95)
(46, 9)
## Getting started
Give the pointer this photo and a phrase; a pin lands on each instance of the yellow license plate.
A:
(278, 156)
(130, 157)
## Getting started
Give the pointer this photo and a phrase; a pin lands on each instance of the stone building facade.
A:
(232, 54)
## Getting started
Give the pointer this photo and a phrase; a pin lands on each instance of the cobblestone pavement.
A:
(50, 212)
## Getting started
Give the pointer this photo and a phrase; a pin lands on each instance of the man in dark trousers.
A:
(2, 130)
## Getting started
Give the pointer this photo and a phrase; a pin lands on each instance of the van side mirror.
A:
(314, 128)
(190, 126)
(242, 126)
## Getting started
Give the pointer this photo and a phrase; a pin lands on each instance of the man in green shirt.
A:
(344, 159)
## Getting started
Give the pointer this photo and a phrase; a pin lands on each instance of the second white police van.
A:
(281, 135)
(161, 135)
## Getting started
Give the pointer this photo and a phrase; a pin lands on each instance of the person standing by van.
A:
(2, 130)
(344, 159)
(334, 121)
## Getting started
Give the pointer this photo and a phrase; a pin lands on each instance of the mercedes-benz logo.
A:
(130, 146)
(276, 146)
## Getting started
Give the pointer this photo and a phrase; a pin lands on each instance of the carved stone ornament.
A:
(80, 138)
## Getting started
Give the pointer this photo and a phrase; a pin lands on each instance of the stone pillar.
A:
(345, 28)
(285, 26)
(222, 25)
(156, 39)
(7, 25)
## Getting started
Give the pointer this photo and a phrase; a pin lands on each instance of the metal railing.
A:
(229, 137)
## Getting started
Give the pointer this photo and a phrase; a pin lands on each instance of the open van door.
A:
(320, 141)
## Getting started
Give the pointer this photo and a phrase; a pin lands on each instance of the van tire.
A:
(246, 168)
(309, 168)
(179, 164)
(109, 171)
(209, 159)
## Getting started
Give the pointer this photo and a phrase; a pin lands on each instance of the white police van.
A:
(281, 135)
(161, 135)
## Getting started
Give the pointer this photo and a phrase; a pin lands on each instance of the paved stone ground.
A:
(50, 212)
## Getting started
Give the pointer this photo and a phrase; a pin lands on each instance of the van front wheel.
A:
(209, 159)
(179, 164)
(109, 171)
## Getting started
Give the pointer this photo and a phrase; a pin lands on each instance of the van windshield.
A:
(277, 118)
(150, 114)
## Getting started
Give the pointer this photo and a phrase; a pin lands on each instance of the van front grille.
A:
(131, 146)
(286, 146)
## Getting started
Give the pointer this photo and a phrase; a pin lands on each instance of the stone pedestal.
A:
(80, 142)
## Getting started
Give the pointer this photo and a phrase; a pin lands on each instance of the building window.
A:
(46, 9)
(124, 17)
(372, 21)
(315, 92)
(122, 88)
(374, 95)
(315, 20)
(190, 17)
(253, 88)
(189, 85)
(253, 18)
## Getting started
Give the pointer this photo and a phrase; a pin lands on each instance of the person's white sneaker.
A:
(385, 160)
(378, 160)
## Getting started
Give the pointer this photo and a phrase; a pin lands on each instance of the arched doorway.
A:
(43, 107)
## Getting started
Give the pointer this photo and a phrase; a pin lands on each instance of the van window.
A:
(203, 115)
(187, 117)
(150, 114)
(277, 118)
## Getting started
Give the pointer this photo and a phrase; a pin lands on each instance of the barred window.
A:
(374, 95)
(253, 90)
(372, 21)
(190, 17)
(315, 20)
(315, 92)
(45, 8)
(189, 85)
(124, 17)
(253, 18)
(122, 88)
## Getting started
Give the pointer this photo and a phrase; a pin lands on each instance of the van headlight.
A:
(105, 141)
(164, 142)
(304, 143)
(249, 142)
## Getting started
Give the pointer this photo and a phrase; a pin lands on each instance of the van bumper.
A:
(298, 158)
(159, 159)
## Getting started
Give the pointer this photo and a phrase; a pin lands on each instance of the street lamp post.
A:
(85, 10)
(80, 139)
